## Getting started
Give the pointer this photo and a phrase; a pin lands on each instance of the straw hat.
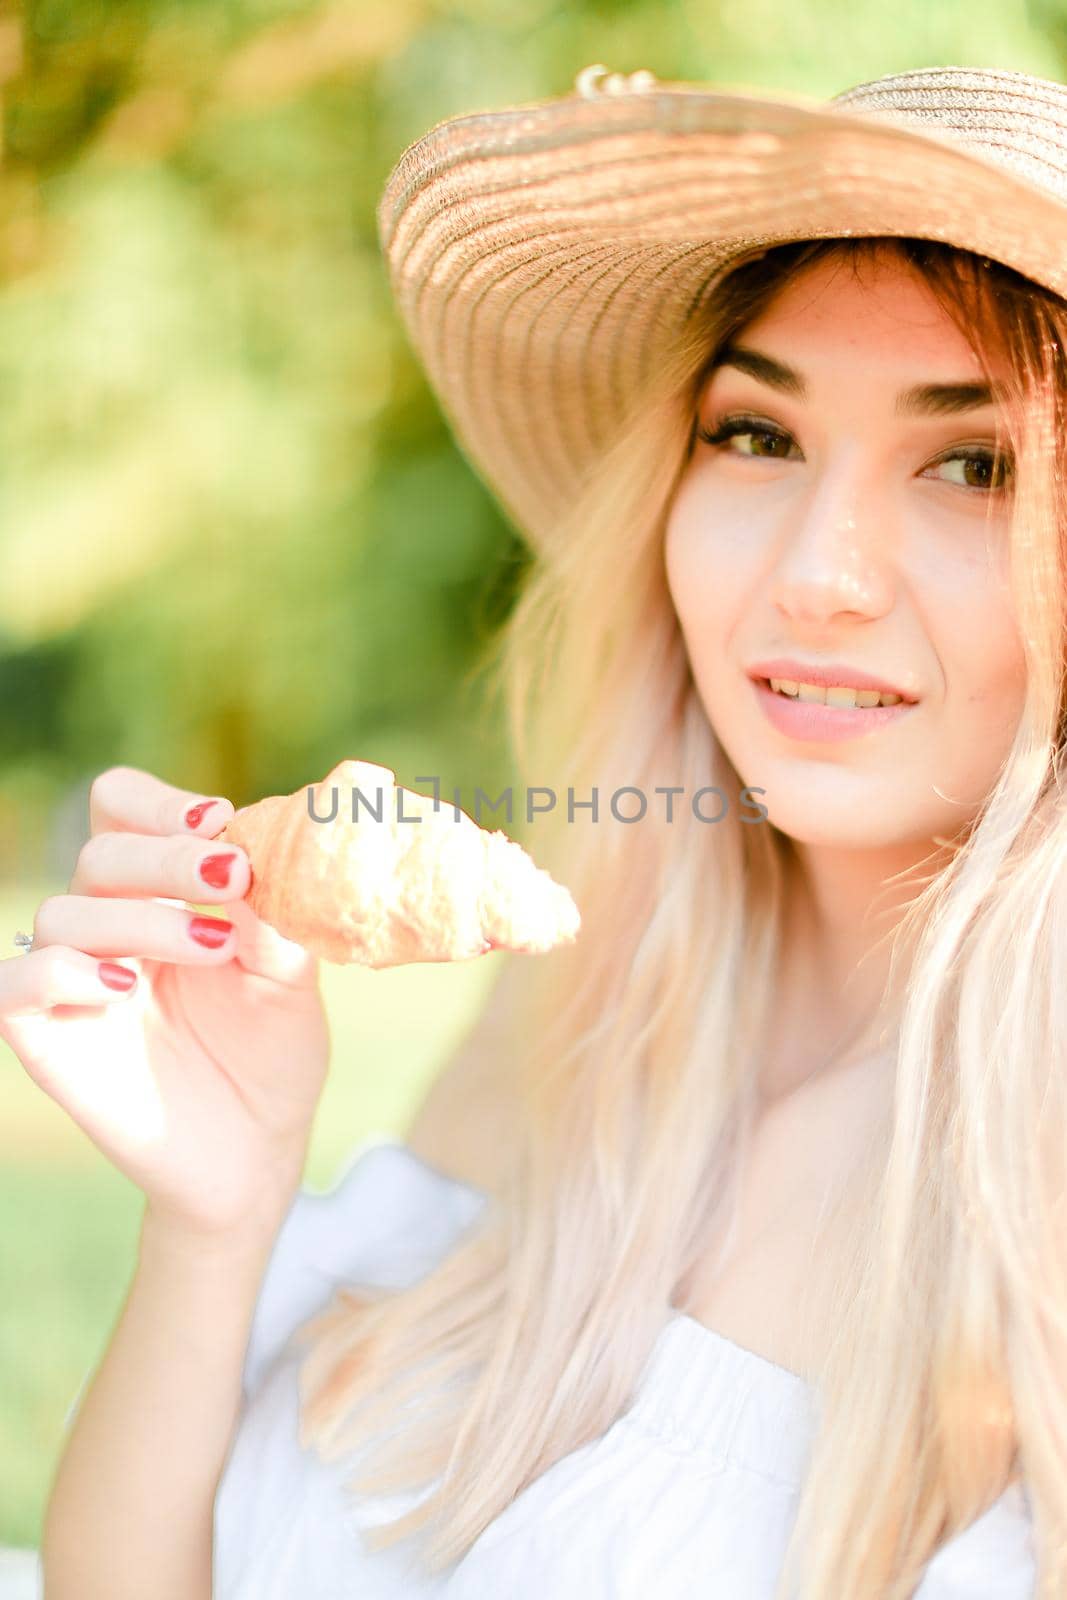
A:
(543, 257)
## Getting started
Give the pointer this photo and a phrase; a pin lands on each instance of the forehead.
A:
(875, 308)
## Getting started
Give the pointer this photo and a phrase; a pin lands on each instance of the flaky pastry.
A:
(392, 876)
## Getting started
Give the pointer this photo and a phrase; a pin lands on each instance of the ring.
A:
(24, 941)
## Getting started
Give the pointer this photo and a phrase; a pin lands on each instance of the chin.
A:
(856, 823)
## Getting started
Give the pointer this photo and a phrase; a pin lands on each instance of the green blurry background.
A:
(236, 540)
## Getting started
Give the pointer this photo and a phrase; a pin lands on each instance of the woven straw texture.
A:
(544, 257)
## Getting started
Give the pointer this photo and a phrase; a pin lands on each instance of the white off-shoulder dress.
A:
(693, 1490)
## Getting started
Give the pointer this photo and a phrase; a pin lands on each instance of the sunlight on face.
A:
(839, 527)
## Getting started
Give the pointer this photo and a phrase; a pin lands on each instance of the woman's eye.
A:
(981, 471)
(765, 441)
(978, 469)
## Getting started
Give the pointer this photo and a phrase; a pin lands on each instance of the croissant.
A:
(385, 889)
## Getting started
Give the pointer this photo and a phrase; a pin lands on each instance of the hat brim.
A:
(544, 257)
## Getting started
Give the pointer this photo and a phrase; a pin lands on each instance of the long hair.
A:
(634, 1055)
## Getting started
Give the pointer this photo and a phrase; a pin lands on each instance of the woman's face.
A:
(846, 526)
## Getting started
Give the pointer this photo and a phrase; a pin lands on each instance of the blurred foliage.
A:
(237, 541)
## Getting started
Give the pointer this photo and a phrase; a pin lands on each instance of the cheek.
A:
(990, 684)
(967, 610)
(710, 566)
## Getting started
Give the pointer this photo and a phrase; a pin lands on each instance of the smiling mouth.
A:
(836, 697)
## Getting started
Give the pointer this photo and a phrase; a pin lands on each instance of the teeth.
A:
(837, 695)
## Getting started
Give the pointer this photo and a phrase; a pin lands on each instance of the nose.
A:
(836, 551)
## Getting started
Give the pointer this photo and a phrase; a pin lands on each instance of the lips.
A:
(828, 675)
(813, 721)
(768, 684)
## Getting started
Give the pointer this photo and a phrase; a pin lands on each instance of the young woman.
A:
(760, 1291)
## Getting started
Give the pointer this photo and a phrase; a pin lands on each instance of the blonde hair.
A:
(635, 1050)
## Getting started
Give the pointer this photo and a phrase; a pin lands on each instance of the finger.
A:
(127, 799)
(58, 976)
(174, 868)
(103, 927)
(263, 950)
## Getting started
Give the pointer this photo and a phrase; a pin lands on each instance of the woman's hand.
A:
(199, 1083)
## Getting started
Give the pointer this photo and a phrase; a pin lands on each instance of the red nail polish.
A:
(216, 870)
(195, 815)
(116, 977)
(211, 932)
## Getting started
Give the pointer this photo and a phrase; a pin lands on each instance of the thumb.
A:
(263, 950)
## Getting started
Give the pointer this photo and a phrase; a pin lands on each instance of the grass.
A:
(71, 1220)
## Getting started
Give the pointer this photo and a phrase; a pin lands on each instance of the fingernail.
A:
(195, 815)
(216, 869)
(116, 977)
(211, 932)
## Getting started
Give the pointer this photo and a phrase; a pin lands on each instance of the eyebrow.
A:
(924, 400)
